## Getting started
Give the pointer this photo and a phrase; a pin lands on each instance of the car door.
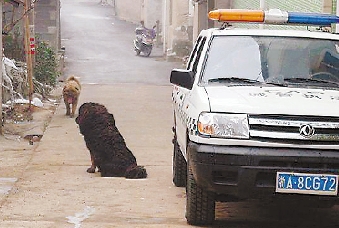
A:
(181, 95)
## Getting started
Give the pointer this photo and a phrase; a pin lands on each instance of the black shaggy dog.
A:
(106, 145)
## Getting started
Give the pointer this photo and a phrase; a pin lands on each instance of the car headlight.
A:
(223, 125)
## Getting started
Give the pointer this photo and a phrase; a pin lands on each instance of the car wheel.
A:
(200, 203)
(179, 166)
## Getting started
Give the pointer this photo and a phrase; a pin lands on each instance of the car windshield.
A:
(272, 60)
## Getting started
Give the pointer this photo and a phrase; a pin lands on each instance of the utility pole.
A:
(27, 8)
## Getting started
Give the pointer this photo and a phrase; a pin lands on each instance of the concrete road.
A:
(46, 184)
(99, 47)
(54, 189)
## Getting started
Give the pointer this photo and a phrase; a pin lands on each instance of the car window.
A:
(194, 53)
(272, 60)
(233, 57)
(198, 54)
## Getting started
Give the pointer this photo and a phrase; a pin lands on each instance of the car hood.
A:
(273, 100)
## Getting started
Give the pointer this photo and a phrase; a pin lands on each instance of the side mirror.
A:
(183, 78)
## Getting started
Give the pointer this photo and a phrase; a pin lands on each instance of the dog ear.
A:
(81, 108)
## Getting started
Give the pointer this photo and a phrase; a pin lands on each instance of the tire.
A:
(136, 47)
(200, 203)
(179, 166)
(148, 50)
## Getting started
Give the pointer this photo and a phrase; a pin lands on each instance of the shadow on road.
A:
(255, 215)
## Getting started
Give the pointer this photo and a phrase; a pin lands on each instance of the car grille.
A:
(294, 129)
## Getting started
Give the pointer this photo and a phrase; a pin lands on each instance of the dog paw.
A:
(91, 170)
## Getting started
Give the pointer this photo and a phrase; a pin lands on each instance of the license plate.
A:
(306, 183)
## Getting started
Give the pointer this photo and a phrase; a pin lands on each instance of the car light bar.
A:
(273, 16)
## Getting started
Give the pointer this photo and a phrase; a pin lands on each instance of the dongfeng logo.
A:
(306, 130)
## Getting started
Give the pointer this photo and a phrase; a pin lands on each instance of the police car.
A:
(256, 113)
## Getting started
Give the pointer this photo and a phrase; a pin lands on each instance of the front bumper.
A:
(250, 172)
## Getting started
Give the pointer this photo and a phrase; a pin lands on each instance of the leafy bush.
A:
(46, 64)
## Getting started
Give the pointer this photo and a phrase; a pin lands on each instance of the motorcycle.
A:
(144, 39)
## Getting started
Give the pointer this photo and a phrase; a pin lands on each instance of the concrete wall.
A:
(177, 27)
(129, 10)
(47, 22)
(134, 11)
(152, 12)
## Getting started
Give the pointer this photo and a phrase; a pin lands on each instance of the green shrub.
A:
(46, 64)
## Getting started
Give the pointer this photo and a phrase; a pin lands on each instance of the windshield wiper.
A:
(311, 80)
(234, 79)
(276, 84)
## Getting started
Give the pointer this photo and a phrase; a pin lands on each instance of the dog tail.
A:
(137, 172)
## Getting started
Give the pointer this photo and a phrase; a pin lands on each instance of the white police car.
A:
(256, 113)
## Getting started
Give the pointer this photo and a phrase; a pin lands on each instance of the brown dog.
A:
(71, 93)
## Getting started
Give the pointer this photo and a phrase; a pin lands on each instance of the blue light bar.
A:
(312, 18)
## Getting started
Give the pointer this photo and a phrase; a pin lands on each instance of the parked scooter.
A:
(144, 39)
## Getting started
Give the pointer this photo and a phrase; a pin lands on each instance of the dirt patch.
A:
(27, 121)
